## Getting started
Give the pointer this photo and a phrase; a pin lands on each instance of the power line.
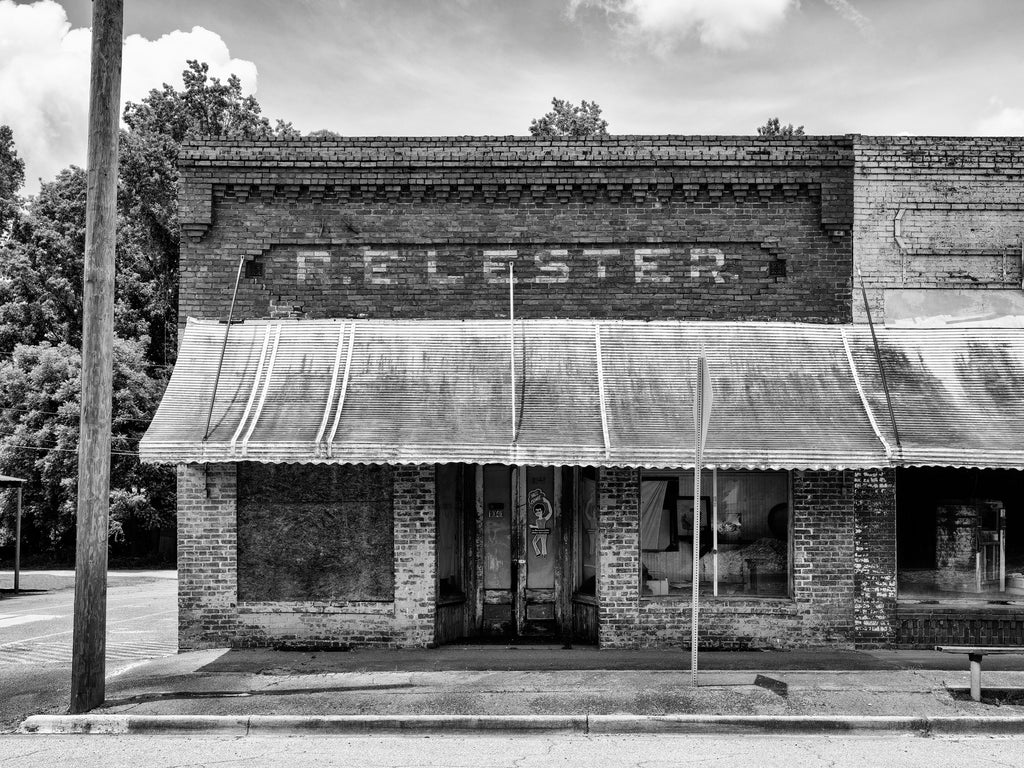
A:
(58, 413)
(55, 448)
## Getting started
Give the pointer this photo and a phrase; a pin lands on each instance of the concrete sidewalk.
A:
(547, 687)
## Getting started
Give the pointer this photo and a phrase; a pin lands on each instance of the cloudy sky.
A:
(419, 67)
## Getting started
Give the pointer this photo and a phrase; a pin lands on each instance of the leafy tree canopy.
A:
(40, 397)
(774, 129)
(568, 121)
(12, 177)
(157, 126)
(41, 286)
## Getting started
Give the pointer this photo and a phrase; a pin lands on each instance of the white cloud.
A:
(44, 79)
(662, 24)
(1008, 121)
(852, 15)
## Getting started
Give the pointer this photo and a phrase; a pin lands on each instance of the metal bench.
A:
(975, 654)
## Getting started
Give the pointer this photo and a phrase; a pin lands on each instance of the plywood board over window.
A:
(315, 533)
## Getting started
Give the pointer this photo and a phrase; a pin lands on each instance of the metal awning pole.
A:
(714, 528)
(878, 361)
(694, 612)
(702, 399)
(223, 348)
(17, 544)
(512, 345)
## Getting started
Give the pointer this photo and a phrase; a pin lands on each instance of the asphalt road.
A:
(36, 632)
(520, 751)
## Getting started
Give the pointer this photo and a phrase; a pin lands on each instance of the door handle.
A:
(521, 561)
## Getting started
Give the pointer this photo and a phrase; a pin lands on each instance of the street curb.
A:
(581, 724)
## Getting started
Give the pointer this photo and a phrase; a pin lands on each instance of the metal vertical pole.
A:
(17, 544)
(694, 608)
(714, 527)
(698, 462)
(701, 416)
(512, 344)
(89, 640)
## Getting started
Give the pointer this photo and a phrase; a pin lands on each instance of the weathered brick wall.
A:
(837, 597)
(633, 227)
(415, 554)
(207, 542)
(823, 548)
(618, 553)
(937, 213)
(875, 557)
(211, 615)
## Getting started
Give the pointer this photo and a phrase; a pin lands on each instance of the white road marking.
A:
(69, 631)
(60, 652)
(8, 620)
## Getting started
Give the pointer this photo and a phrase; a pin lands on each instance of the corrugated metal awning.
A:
(603, 393)
(957, 393)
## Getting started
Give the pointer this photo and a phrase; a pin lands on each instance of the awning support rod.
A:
(600, 389)
(863, 395)
(878, 360)
(224, 347)
(512, 345)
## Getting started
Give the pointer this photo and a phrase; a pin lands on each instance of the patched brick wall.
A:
(875, 557)
(207, 543)
(823, 549)
(647, 227)
(415, 554)
(937, 213)
(837, 598)
(618, 585)
(210, 614)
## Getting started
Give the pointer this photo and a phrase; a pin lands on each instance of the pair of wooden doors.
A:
(524, 550)
(516, 553)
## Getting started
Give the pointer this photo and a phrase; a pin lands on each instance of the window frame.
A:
(679, 474)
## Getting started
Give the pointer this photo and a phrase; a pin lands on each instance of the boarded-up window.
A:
(315, 533)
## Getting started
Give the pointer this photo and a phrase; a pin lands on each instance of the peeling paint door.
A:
(540, 551)
(522, 551)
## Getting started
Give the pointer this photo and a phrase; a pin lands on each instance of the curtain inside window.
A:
(654, 522)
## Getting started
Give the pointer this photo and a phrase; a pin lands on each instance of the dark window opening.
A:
(960, 533)
(587, 533)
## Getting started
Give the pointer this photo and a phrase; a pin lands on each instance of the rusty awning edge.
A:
(788, 395)
(220, 453)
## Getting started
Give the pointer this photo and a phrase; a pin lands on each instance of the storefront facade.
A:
(379, 454)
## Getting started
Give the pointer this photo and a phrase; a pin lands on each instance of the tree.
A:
(40, 395)
(12, 177)
(773, 129)
(567, 121)
(41, 272)
(41, 268)
(156, 128)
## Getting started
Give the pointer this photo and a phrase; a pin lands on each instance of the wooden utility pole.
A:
(88, 662)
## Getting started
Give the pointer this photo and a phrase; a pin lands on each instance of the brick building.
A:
(386, 445)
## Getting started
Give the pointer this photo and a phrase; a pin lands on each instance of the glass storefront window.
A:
(450, 531)
(587, 534)
(958, 534)
(749, 510)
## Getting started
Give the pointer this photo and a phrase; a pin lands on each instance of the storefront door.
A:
(524, 546)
